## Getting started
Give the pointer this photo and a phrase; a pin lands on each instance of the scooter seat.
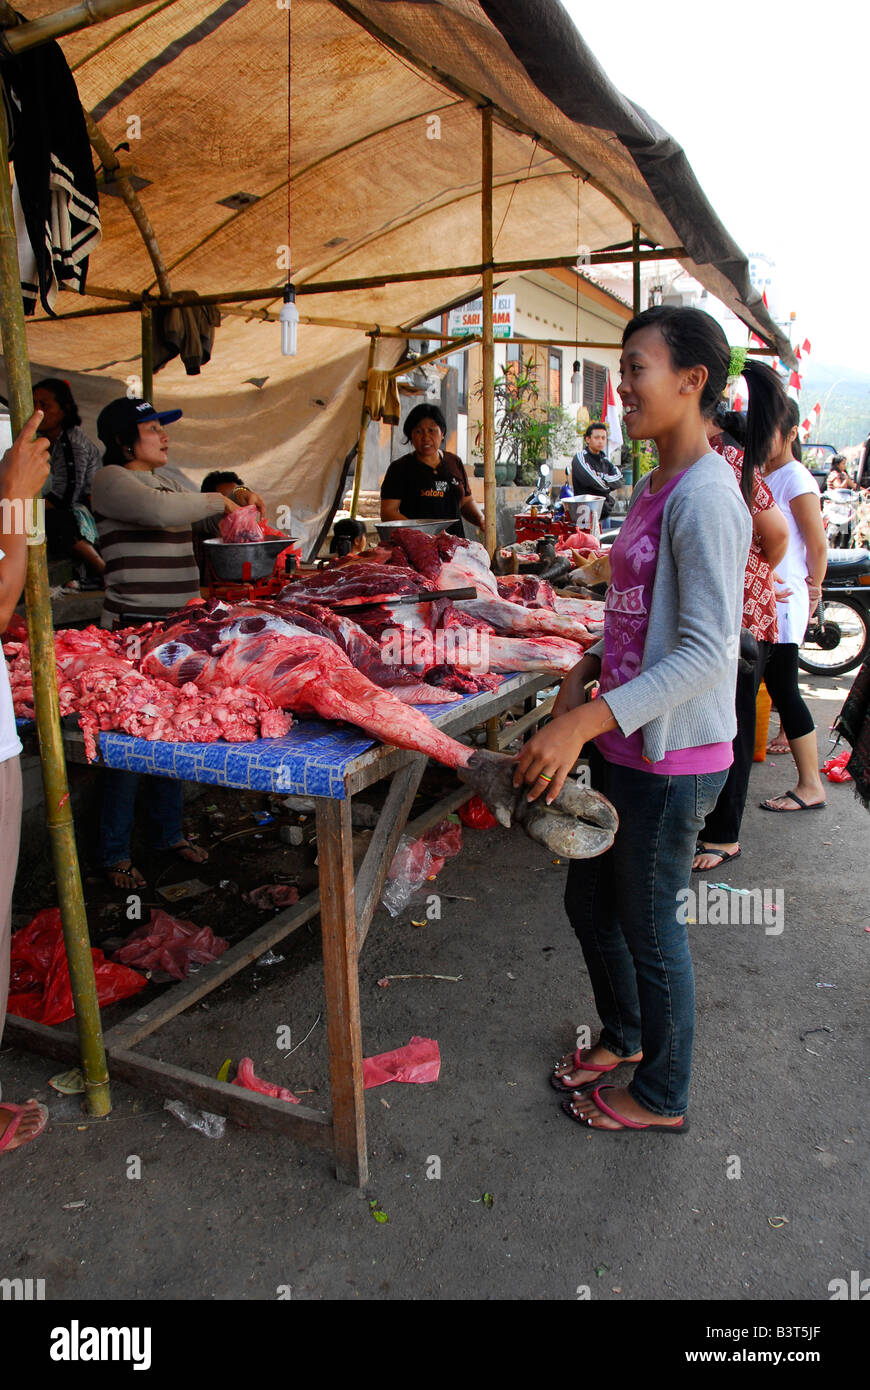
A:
(847, 564)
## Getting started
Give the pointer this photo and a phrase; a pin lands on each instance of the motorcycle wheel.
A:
(841, 645)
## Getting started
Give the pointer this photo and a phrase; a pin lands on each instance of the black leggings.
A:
(781, 679)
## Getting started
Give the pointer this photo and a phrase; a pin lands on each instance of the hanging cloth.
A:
(382, 397)
(185, 331)
(57, 214)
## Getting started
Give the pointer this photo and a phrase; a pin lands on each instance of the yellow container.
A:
(763, 706)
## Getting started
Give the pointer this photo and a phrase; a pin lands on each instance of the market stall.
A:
(329, 764)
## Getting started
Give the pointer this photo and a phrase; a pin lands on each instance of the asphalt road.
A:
(762, 1199)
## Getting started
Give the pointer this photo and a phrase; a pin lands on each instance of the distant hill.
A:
(844, 395)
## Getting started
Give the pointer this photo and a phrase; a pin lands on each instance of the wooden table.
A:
(330, 764)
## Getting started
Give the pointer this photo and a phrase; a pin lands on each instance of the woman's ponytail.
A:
(767, 413)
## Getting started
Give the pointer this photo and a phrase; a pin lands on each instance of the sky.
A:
(771, 103)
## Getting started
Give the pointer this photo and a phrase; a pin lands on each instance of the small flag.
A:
(797, 353)
(807, 345)
(795, 381)
(611, 414)
(755, 341)
(817, 409)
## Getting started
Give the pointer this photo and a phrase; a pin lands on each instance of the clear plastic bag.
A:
(417, 861)
(212, 1126)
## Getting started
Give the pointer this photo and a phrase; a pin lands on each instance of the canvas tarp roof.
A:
(378, 186)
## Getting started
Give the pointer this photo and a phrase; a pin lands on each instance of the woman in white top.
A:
(796, 493)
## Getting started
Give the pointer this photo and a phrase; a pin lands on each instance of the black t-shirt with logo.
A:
(424, 493)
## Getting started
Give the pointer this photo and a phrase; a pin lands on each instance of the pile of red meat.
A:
(99, 680)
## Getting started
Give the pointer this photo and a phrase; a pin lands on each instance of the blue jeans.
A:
(164, 800)
(623, 908)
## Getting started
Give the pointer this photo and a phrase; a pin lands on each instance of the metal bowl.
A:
(227, 561)
(385, 529)
(573, 505)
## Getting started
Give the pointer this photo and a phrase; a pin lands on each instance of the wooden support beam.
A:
(341, 982)
(363, 431)
(55, 26)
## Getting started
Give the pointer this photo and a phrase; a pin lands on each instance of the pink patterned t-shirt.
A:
(633, 560)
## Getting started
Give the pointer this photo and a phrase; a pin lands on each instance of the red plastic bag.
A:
(243, 524)
(477, 815)
(835, 768)
(419, 1061)
(39, 986)
(249, 1082)
(167, 945)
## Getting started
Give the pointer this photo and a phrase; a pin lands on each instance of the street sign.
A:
(468, 318)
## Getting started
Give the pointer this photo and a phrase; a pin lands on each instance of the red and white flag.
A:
(817, 410)
(755, 341)
(612, 418)
(797, 353)
(807, 346)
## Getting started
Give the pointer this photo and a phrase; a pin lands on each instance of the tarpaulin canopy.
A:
(385, 179)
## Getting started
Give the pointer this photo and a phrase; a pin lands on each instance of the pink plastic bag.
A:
(243, 524)
(419, 1061)
(169, 944)
(249, 1082)
(272, 895)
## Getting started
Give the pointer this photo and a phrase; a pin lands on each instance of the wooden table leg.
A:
(341, 978)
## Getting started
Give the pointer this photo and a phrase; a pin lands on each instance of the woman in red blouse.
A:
(719, 841)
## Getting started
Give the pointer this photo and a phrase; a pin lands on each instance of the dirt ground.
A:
(490, 1192)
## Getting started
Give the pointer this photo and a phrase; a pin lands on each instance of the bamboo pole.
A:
(635, 304)
(488, 352)
(147, 354)
(41, 635)
(55, 26)
(363, 430)
(111, 164)
(450, 346)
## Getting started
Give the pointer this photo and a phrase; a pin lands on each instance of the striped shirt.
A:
(144, 521)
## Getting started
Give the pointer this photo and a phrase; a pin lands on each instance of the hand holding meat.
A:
(548, 758)
(25, 467)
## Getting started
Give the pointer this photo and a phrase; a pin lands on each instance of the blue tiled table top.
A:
(312, 760)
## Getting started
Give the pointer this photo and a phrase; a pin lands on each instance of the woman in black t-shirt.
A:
(427, 484)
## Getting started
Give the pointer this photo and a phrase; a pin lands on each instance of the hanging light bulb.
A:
(576, 385)
(289, 318)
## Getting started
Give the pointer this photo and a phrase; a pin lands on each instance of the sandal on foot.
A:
(18, 1112)
(719, 854)
(126, 869)
(558, 1082)
(191, 854)
(774, 750)
(623, 1121)
(790, 796)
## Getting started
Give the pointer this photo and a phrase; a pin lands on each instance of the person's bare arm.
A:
(390, 509)
(471, 511)
(808, 514)
(23, 471)
(771, 529)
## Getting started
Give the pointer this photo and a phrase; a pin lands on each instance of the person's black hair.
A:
(124, 439)
(424, 411)
(732, 423)
(344, 533)
(792, 418)
(60, 389)
(837, 459)
(696, 339)
(596, 425)
(212, 481)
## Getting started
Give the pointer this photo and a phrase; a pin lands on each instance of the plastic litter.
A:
(168, 945)
(477, 815)
(272, 895)
(835, 768)
(39, 985)
(417, 862)
(249, 1082)
(244, 524)
(213, 1126)
(68, 1083)
(418, 1062)
(270, 958)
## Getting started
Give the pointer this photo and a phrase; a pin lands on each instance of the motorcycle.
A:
(837, 638)
(540, 498)
(839, 510)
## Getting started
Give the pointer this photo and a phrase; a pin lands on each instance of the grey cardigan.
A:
(684, 694)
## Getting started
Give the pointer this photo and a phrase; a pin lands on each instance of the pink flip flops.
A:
(18, 1113)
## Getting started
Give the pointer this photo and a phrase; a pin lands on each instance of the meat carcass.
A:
(293, 659)
(452, 563)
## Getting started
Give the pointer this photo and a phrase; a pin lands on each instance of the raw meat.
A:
(292, 658)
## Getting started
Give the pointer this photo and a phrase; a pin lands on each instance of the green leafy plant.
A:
(527, 429)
